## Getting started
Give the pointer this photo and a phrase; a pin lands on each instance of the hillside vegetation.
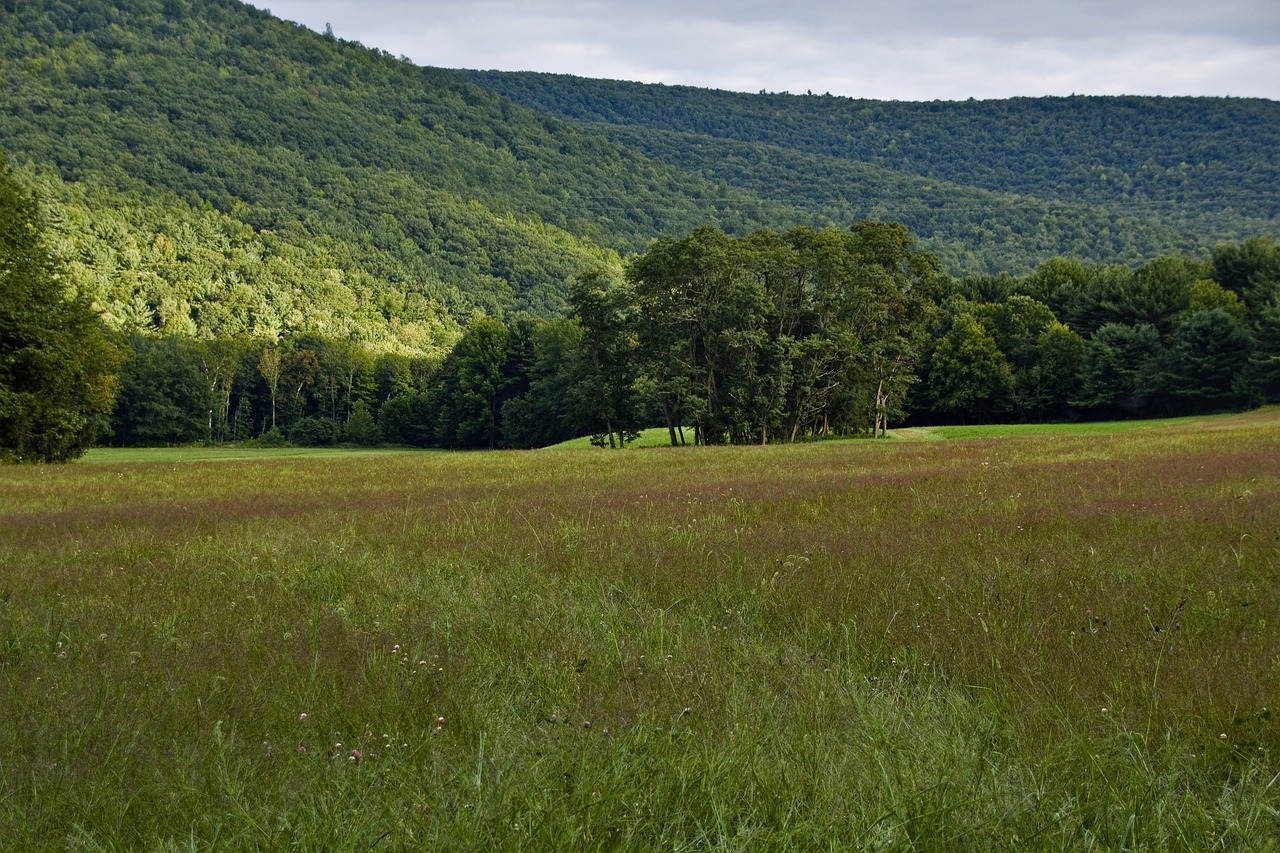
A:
(302, 183)
(988, 185)
(219, 171)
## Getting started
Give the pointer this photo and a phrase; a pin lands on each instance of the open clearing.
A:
(1053, 641)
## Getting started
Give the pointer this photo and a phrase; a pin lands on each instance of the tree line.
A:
(764, 338)
(719, 339)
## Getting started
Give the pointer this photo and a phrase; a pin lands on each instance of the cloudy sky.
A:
(891, 49)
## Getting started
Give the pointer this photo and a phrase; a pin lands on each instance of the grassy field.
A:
(1051, 642)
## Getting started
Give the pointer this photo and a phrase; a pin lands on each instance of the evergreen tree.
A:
(1059, 354)
(1206, 360)
(467, 396)
(57, 369)
(1118, 375)
(360, 427)
(163, 396)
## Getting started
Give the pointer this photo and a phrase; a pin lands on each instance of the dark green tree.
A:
(392, 376)
(360, 427)
(1262, 379)
(544, 414)
(1056, 372)
(1119, 371)
(57, 368)
(1205, 362)
(1017, 324)
(164, 398)
(602, 396)
(1158, 291)
(1250, 269)
(467, 397)
(315, 432)
(407, 419)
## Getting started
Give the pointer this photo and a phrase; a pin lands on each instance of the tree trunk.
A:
(669, 416)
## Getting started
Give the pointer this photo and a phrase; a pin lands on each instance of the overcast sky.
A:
(889, 49)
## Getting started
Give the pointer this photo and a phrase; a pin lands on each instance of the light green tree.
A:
(969, 376)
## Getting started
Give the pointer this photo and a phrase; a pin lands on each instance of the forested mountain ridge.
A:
(1082, 148)
(971, 230)
(223, 171)
(1001, 183)
(213, 170)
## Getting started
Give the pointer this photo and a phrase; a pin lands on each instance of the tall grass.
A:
(1063, 642)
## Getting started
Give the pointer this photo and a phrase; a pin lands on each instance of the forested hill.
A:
(998, 183)
(213, 169)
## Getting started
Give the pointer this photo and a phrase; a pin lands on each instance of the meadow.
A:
(1063, 640)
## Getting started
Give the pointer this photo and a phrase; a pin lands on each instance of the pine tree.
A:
(57, 369)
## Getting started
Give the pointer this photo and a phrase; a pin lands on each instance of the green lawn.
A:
(1088, 428)
(653, 437)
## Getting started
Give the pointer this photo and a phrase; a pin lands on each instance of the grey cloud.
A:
(912, 49)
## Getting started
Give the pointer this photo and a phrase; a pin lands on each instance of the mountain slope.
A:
(212, 170)
(392, 179)
(1149, 175)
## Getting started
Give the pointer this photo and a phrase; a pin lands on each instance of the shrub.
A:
(314, 432)
(360, 428)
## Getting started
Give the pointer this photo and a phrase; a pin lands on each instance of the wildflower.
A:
(355, 755)
(302, 718)
(302, 747)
